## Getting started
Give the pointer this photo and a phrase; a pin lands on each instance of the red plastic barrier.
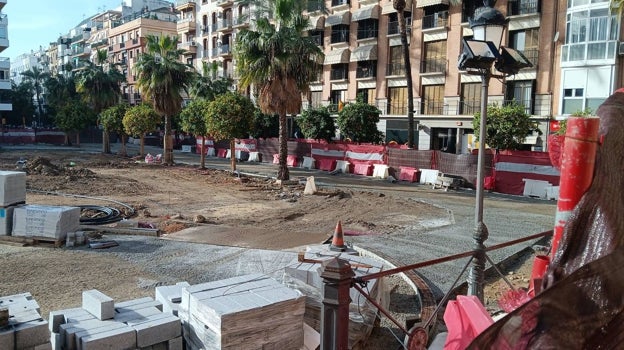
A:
(363, 169)
(325, 164)
(577, 169)
(408, 174)
(540, 265)
(222, 152)
(291, 160)
(276, 158)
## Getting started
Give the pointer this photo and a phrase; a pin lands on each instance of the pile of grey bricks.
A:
(103, 324)
(21, 324)
(12, 194)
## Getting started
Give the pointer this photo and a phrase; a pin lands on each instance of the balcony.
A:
(100, 43)
(528, 105)
(532, 55)
(224, 3)
(184, 4)
(366, 33)
(436, 20)
(366, 72)
(469, 107)
(435, 65)
(339, 4)
(224, 24)
(186, 25)
(522, 7)
(318, 39)
(393, 27)
(395, 69)
(433, 107)
(222, 50)
(189, 46)
(339, 74)
(340, 37)
(241, 21)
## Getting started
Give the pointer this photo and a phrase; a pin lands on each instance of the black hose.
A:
(111, 215)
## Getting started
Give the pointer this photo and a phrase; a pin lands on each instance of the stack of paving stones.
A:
(44, 221)
(245, 312)
(24, 328)
(12, 194)
(103, 324)
(306, 278)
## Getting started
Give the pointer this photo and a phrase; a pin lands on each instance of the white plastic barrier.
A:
(380, 171)
(211, 152)
(428, 176)
(254, 157)
(308, 163)
(342, 166)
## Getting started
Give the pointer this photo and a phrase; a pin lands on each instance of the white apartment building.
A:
(5, 64)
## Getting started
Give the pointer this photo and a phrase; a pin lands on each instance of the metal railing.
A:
(434, 65)
(436, 20)
(433, 107)
(366, 72)
(532, 55)
(522, 7)
(365, 33)
(469, 107)
(393, 27)
(397, 68)
(339, 74)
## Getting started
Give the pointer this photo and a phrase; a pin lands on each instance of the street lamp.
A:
(478, 56)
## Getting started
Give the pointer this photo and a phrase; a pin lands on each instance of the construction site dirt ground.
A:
(194, 206)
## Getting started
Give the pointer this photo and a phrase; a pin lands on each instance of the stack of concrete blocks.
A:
(170, 297)
(26, 328)
(102, 324)
(306, 277)
(43, 221)
(246, 312)
(12, 194)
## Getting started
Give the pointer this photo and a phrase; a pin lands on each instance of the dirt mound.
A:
(42, 166)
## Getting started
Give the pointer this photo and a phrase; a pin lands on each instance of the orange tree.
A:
(139, 120)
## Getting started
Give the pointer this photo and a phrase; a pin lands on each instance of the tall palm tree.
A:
(36, 76)
(161, 78)
(399, 6)
(279, 62)
(207, 85)
(99, 85)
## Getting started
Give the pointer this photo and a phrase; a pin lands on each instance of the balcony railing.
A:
(339, 37)
(221, 50)
(528, 105)
(365, 33)
(436, 20)
(224, 24)
(393, 27)
(469, 107)
(366, 72)
(318, 39)
(435, 65)
(433, 107)
(532, 55)
(522, 7)
(395, 69)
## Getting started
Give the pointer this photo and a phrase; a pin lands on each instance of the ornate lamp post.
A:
(478, 56)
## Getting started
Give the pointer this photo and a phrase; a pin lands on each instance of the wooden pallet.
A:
(31, 241)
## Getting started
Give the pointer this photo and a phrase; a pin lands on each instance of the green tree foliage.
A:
(207, 85)
(161, 79)
(37, 77)
(279, 61)
(507, 126)
(61, 89)
(193, 120)
(139, 120)
(358, 121)
(23, 109)
(317, 123)
(230, 116)
(111, 120)
(264, 125)
(74, 116)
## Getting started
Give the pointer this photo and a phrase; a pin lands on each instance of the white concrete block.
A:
(46, 346)
(157, 330)
(171, 297)
(121, 338)
(175, 344)
(137, 304)
(67, 331)
(7, 339)
(55, 341)
(31, 333)
(98, 304)
(89, 332)
(56, 318)
(12, 187)
(139, 315)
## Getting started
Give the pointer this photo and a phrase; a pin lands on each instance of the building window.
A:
(396, 65)
(527, 42)
(470, 98)
(393, 23)
(366, 69)
(339, 71)
(367, 28)
(316, 98)
(317, 36)
(340, 33)
(433, 99)
(573, 100)
(521, 91)
(336, 100)
(435, 57)
(590, 35)
(435, 16)
(367, 95)
(397, 100)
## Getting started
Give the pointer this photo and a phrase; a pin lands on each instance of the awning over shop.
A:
(366, 13)
(425, 3)
(364, 53)
(337, 56)
(338, 18)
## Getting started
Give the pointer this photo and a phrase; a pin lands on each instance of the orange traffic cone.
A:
(338, 239)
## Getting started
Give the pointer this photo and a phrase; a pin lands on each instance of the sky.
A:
(34, 23)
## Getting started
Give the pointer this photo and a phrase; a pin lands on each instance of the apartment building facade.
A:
(5, 62)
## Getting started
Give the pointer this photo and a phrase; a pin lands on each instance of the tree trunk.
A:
(78, 138)
(408, 77)
(202, 154)
(141, 145)
(168, 142)
(123, 151)
(106, 142)
(40, 110)
(282, 172)
(233, 154)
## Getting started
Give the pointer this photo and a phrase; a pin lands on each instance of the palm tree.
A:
(100, 88)
(279, 62)
(36, 76)
(207, 85)
(399, 6)
(161, 77)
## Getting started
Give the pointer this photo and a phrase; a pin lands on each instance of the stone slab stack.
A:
(245, 312)
(306, 277)
(43, 221)
(26, 329)
(12, 194)
(103, 324)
